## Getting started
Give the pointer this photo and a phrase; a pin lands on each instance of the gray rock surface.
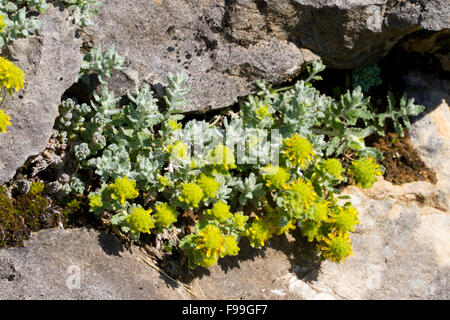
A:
(80, 264)
(225, 46)
(51, 61)
(158, 37)
(401, 246)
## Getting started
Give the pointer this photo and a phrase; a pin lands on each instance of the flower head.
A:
(310, 229)
(220, 211)
(222, 158)
(174, 125)
(239, 220)
(302, 193)
(140, 220)
(178, 151)
(365, 172)
(211, 241)
(276, 177)
(165, 215)
(263, 111)
(123, 189)
(258, 233)
(231, 247)
(345, 218)
(337, 246)
(209, 185)
(191, 194)
(11, 77)
(319, 211)
(2, 23)
(333, 167)
(298, 150)
(95, 200)
(4, 121)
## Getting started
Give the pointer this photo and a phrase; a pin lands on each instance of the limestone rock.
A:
(225, 46)
(80, 264)
(51, 61)
(158, 37)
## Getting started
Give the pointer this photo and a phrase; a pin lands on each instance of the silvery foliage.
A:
(100, 62)
(18, 22)
(21, 24)
(82, 11)
(73, 186)
(250, 190)
(406, 109)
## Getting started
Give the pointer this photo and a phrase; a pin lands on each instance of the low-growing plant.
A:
(152, 167)
(11, 78)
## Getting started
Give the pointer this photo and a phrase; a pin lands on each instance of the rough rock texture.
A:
(401, 246)
(51, 61)
(158, 37)
(80, 264)
(226, 45)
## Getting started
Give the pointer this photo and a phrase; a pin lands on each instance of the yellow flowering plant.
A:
(182, 170)
(11, 78)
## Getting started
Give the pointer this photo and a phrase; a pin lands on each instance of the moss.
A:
(18, 217)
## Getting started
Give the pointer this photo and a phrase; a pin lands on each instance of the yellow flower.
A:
(220, 211)
(123, 189)
(298, 150)
(262, 112)
(333, 167)
(207, 262)
(319, 211)
(211, 241)
(258, 233)
(337, 247)
(4, 121)
(209, 185)
(2, 23)
(95, 200)
(239, 220)
(345, 219)
(276, 177)
(231, 247)
(165, 214)
(11, 77)
(191, 194)
(140, 220)
(365, 172)
(222, 158)
(178, 150)
(174, 125)
(302, 194)
(278, 226)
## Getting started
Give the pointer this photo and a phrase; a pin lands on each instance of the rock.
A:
(401, 246)
(348, 34)
(226, 46)
(51, 61)
(431, 133)
(80, 264)
(158, 37)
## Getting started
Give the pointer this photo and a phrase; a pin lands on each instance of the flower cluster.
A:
(140, 220)
(133, 149)
(191, 194)
(123, 189)
(298, 150)
(365, 172)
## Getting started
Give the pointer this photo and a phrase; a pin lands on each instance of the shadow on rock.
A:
(110, 244)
